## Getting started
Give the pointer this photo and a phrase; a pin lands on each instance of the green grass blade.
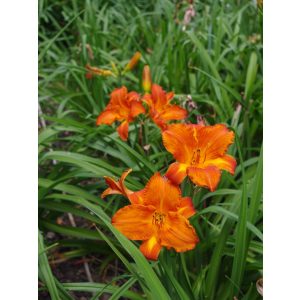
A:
(232, 216)
(180, 291)
(45, 270)
(50, 43)
(251, 75)
(95, 287)
(257, 190)
(239, 259)
(136, 155)
(122, 290)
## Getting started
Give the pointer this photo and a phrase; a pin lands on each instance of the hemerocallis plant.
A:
(123, 107)
(161, 111)
(158, 216)
(200, 153)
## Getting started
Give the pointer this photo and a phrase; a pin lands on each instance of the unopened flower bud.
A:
(133, 61)
(146, 79)
(91, 71)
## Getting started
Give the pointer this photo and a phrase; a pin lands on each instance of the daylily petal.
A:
(114, 187)
(162, 124)
(226, 162)
(173, 112)
(158, 96)
(178, 233)
(123, 130)
(118, 96)
(123, 177)
(155, 116)
(136, 108)
(208, 177)
(179, 140)
(137, 197)
(132, 96)
(151, 248)
(186, 207)
(135, 221)
(148, 100)
(215, 140)
(110, 191)
(176, 172)
(107, 117)
(169, 96)
(162, 194)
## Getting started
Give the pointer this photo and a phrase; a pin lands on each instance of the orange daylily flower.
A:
(200, 153)
(117, 187)
(123, 107)
(92, 71)
(158, 216)
(160, 109)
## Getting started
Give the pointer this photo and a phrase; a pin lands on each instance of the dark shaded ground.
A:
(73, 269)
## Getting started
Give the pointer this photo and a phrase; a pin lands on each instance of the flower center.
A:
(158, 219)
(199, 155)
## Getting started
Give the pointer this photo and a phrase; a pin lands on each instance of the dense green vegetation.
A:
(217, 59)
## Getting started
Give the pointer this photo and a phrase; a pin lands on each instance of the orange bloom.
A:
(117, 187)
(200, 152)
(91, 71)
(158, 215)
(133, 61)
(160, 109)
(123, 107)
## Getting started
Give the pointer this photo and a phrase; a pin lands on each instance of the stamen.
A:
(196, 157)
(158, 219)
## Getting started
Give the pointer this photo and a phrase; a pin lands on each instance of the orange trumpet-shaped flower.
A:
(123, 107)
(133, 61)
(117, 187)
(158, 215)
(200, 152)
(160, 109)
